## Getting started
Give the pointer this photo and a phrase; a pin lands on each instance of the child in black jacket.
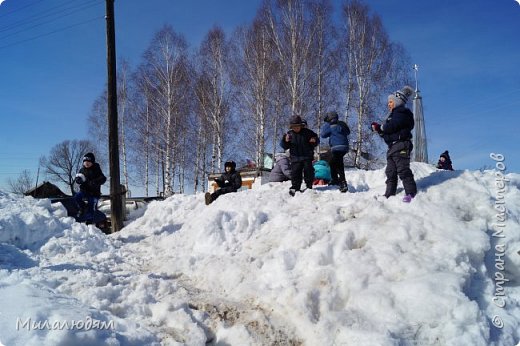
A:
(229, 181)
(90, 178)
(397, 134)
(301, 142)
(445, 161)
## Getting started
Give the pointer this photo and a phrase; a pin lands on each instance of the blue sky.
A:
(468, 52)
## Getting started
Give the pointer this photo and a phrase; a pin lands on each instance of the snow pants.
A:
(337, 167)
(299, 167)
(91, 202)
(220, 192)
(398, 165)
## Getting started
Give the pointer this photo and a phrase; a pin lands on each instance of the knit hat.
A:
(400, 97)
(446, 155)
(231, 164)
(89, 157)
(295, 120)
(331, 117)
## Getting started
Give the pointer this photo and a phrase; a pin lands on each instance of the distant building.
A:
(46, 190)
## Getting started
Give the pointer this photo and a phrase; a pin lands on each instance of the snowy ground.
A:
(262, 268)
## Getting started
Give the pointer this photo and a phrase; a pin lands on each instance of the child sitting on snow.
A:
(322, 174)
(445, 161)
(229, 181)
(282, 169)
(89, 178)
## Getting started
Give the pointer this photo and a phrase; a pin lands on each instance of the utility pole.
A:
(116, 212)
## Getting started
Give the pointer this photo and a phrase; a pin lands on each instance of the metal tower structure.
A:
(420, 146)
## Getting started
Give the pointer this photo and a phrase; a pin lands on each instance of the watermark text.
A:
(498, 226)
(87, 324)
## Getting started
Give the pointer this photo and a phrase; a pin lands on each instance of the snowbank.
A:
(260, 267)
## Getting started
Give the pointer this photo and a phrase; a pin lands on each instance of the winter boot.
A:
(408, 198)
(343, 187)
(292, 192)
(207, 198)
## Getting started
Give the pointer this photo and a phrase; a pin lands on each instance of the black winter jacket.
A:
(229, 182)
(94, 179)
(299, 147)
(398, 126)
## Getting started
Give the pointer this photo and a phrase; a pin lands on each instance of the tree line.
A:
(185, 110)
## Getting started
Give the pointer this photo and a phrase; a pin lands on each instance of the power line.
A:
(43, 15)
(20, 8)
(59, 11)
(45, 22)
(52, 32)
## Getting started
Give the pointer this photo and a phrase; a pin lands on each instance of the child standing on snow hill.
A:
(337, 131)
(397, 134)
(445, 161)
(90, 178)
(229, 181)
(301, 142)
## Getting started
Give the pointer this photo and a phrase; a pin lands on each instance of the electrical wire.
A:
(43, 23)
(51, 32)
(58, 12)
(20, 8)
(45, 14)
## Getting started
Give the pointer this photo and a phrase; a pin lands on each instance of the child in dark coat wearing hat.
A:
(397, 134)
(229, 181)
(90, 178)
(301, 142)
(445, 161)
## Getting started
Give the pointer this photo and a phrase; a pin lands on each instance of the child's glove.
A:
(80, 178)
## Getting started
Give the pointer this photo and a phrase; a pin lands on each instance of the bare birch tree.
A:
(22, 184)
(254, 76)
(123, 110)
(167, 77)
(293, 38)
(212, 90)
(141, 128)
(324, 62)
(370, 64)
(98, 126)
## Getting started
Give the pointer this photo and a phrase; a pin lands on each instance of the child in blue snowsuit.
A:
(337, 131)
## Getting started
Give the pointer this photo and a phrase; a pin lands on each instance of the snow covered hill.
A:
(260, 268)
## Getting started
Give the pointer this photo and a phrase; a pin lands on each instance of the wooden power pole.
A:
(116, 211)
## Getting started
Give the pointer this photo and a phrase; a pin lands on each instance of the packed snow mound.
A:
(55, 280)
(325, 268)
(27, 223)
(260, 267)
